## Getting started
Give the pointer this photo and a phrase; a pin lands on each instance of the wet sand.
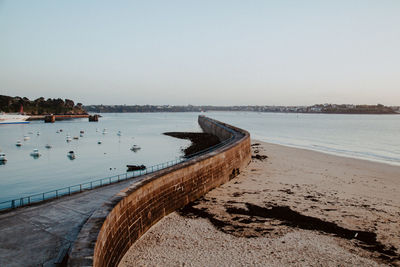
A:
(294, 207)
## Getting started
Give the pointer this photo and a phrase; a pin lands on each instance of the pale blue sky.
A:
(202, 52)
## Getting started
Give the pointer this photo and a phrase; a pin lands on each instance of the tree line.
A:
(40, 106)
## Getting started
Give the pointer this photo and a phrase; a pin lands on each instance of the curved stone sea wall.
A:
(111, 230)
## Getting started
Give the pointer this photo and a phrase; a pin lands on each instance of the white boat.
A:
(104, 131)
(13, 118)
(71, 155)
(18, 143)
(2, 157)
(26, 137)
(119, 133)
(68, 138)
(35, 153)
(99, 142)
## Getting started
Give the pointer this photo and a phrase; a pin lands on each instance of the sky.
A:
(202, 52)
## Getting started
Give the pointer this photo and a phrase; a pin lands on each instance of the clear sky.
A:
(202, 52)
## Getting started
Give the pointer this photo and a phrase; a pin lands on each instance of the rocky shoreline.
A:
(199, 141)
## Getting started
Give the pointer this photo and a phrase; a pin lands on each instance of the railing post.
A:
(69, 190)
(126, 176)
(118, 177)
(13, 203)
(43, 197)
(21, 201)
(101, 182)
(109, 179)
(91, 185)
(29, 200)
(57, 193)
(80, 188)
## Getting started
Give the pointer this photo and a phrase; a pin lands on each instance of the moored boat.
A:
(35, 153)
(3, 157)
(135, 148)
(18, 143)
(71, 155)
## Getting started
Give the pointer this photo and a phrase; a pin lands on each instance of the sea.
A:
(369, 137)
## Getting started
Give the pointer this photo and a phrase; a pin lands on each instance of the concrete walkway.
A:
(41, 235)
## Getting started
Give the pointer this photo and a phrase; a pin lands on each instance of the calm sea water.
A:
(24, 175)
(372, 137)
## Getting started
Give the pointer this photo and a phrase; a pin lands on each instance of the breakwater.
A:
(58, 117)
(112, 229)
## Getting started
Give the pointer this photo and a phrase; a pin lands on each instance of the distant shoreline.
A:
(316, 109)
(395, 113)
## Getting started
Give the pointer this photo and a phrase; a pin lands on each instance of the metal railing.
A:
(53, 194)
(31, 199)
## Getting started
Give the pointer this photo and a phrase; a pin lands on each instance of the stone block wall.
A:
(112, 230)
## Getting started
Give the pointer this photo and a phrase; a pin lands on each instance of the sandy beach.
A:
(291, 207)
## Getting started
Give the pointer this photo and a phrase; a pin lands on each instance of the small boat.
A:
(81, 135)
(71, 155)
(119, 133)
(3, 157)
(76, 137)
(135, 148)
(82, 132)
(68, 138)
(38, 133)
(58, 131)
(132, 168)
(48, 146)
(18, 143)
(61, 130)
(104, 131)
(99, 142)
(35, 153)
(26, 137)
